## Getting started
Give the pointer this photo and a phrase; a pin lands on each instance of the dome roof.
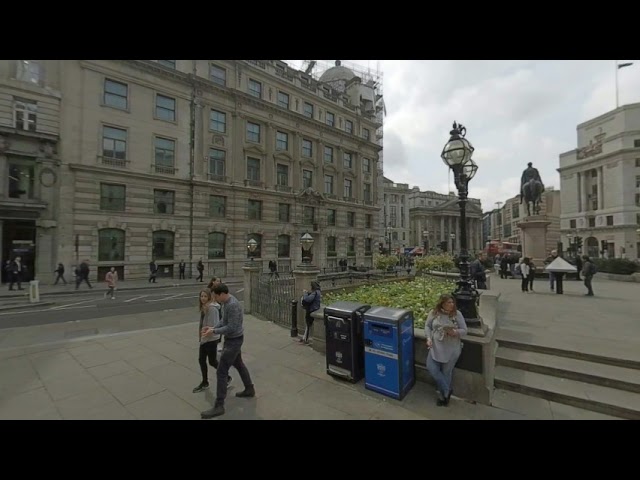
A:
(337, 73)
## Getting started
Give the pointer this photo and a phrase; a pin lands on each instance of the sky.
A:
(515, 112)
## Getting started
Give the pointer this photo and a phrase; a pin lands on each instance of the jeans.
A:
(208, 350)
(587, 283)
(442, 373)
(552, 280)
(231, 356)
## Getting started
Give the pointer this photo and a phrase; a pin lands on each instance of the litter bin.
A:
(388, 351)
(345, 343)
(34, 291)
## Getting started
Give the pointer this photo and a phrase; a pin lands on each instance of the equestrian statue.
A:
(531, 188)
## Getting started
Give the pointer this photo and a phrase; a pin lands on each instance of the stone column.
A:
(251, 273)
(303, 275)
(585, 192)
(600, 188)
(442, 228)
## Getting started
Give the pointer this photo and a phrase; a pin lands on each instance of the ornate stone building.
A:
(189, 159)
(397, 225)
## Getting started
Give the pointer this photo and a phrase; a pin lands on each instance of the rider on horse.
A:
(529, 174)
(531, 187)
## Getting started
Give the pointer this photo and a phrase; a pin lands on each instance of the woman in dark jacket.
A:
(310, 303)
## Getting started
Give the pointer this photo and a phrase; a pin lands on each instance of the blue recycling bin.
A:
(388, 351)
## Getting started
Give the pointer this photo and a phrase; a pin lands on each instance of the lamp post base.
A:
(467, 302)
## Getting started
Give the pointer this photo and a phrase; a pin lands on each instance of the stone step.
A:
(566, 367)
(610, 401)
(621, 354)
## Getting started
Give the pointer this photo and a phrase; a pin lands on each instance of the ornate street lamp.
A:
(457, 156)
(252, 245)
(306, 242)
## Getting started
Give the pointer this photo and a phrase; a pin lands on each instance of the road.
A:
(73, 307)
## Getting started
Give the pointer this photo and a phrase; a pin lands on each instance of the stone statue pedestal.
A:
(534, 238)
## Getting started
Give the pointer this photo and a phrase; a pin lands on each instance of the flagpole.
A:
(616, 66)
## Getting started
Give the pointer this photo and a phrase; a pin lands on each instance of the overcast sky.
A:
(515, 111)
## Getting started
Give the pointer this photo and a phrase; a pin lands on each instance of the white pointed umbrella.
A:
(560, 265)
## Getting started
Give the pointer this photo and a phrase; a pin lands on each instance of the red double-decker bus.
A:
(498, 247)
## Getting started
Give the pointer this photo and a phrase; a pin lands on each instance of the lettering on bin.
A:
(382, 353)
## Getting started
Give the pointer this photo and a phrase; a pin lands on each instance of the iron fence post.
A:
(294, 318)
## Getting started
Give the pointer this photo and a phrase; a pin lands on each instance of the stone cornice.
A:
(580, 164)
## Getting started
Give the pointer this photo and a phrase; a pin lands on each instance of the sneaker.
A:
(203, 386)
(248, 392)
(213, 412)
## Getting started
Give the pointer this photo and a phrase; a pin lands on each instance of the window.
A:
(217, 242)
(348, 126)
(331, 246)
(253, 169)
(253, 132)
(515, 210)
(307, 148)
(331, 119)
(282, 174)
(112, 197)
(636, 144)
(572, 224)
(402, 217)
(165, 152)
(328, 184)
(308, 215)
(367, 192)
(167, 63)
(28, 71)
(217, 206)
(351, 219)
(25, 114)
(283, 100)
(367, 221)
(254, 210)
(115, 94)
(394, 215)
(21, 178)
(255, 88)
(394, 198)
(638, 199)
(282, 141)
(347, 160)
(111, 245)
(366, 134)
(592, 222)
(217, 162)
(367, 246)
(165, 108)
(351, 246)
(162, 245)
(637, 162)
(348, 192)
(258, 251)
(218, 121)
(163, 201)
(218, 75)
(637, 181)
(114, 143)
(404, 237)
(284, 212)
(331, 217)
(307, 178)
(366, 165)
(284, 246)
(308, 110)
(609, 220)
(328, 154)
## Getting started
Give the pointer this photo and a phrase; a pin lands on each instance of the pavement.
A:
(144, 365)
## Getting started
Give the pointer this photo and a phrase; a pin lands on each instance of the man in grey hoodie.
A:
(231, 327)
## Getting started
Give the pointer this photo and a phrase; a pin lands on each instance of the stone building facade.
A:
(188, 159)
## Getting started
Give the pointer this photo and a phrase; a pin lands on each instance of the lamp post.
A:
(306, 242)
(252, 245)
(456, 154)
(425, 240)
(453, 243)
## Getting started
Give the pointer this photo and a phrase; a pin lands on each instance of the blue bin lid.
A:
(387, 314)
(344, 307)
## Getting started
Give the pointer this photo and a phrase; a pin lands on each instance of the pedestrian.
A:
(209, 317)
(532, 274)
(60, 274)
(182, 267)
(552, 276)
(111, 279)
(200, 268)
(83, 274)
(443, 329)
(588, 271)
(153, 271)
(525, 271)
(578, 267)
(273, 268)
(310, 303)
(504, 267)
(16, 272)
(213, 282)
(231, 326)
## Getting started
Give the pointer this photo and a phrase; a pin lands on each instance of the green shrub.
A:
(419, 296)
(383, 262)
(620, 266)
(442, 263)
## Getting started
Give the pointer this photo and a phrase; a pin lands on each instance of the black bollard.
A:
(294, 318)
(559, 276)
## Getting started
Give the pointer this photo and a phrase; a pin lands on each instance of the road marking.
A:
(71, 304)
(14, 312)
(166, 298)
(79, 306)
(135, 298)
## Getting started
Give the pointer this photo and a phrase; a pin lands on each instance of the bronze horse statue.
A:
(532, 194)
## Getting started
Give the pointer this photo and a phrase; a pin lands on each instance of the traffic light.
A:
(380, 247)
(578, 243)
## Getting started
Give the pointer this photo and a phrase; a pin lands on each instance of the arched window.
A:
(110, 245)
(593, 247)
(284, 246)
(258, 252)
(217, 242)
(163, 244)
